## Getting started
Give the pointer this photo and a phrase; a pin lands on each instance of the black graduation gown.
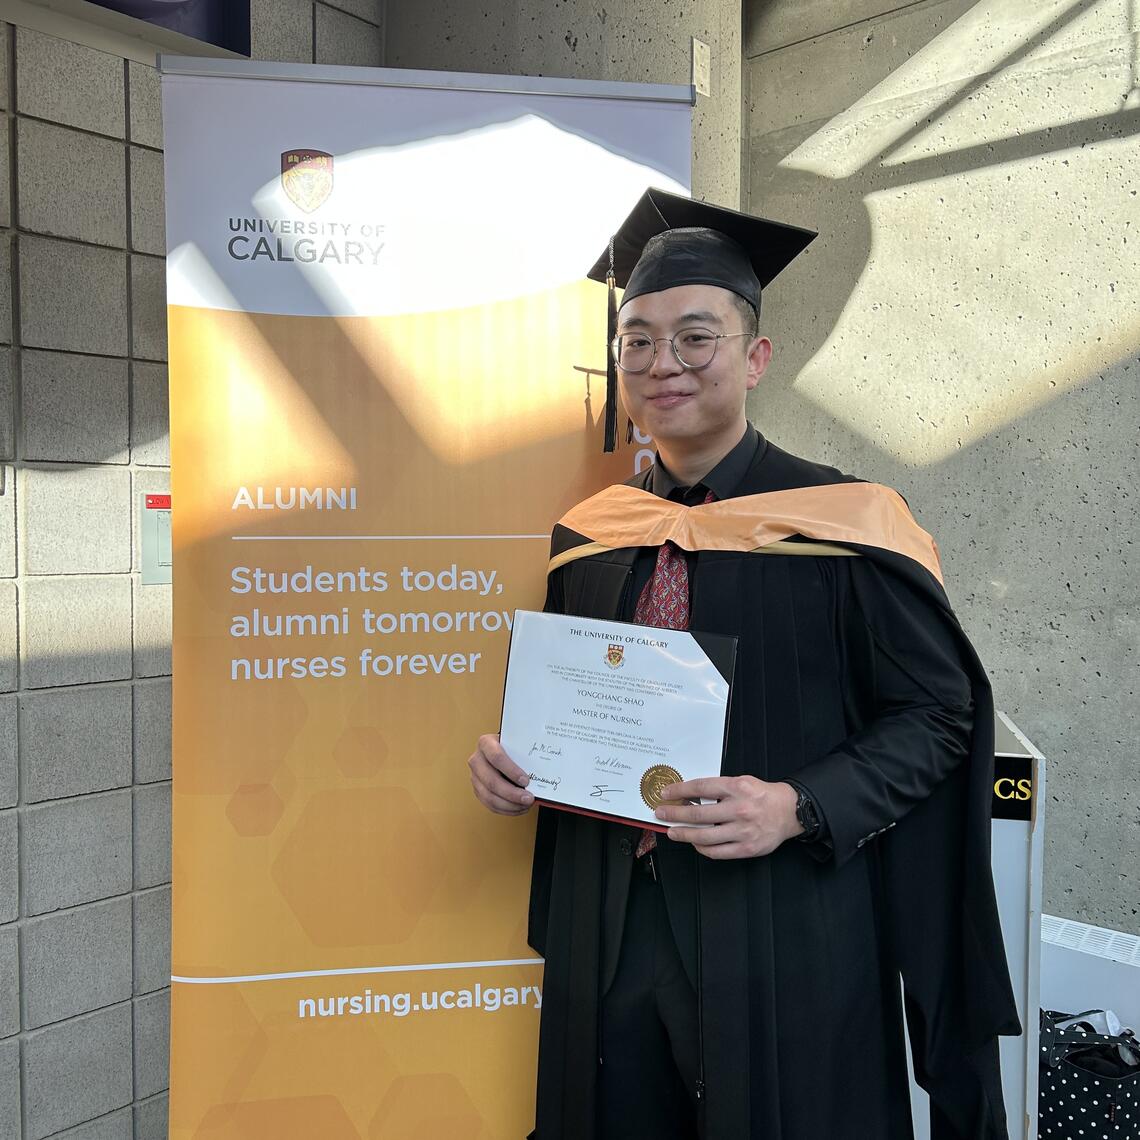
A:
(854, 676)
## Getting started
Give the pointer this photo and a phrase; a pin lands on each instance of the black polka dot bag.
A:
(1089, 1087)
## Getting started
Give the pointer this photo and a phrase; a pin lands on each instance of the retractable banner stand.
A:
(387, 380)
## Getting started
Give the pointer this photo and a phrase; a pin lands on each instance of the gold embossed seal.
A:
(654, 780)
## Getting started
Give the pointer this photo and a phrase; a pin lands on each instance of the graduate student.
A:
(740, 981)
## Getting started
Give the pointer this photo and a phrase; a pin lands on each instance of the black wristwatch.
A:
(807, 813)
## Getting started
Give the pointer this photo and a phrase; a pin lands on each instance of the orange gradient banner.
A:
(360, 502)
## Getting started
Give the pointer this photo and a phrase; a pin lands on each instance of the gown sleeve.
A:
(912, 709)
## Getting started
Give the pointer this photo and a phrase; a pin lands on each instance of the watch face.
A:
(806, 814)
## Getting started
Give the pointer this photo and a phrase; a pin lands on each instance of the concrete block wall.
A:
(964, 329)
(84, 646)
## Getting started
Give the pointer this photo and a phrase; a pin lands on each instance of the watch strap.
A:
(807, 813)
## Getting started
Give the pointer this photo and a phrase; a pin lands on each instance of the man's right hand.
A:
(499, 783)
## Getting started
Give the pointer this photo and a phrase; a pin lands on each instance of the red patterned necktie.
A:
(664, 603)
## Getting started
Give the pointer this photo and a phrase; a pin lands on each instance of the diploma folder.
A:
(603, 714)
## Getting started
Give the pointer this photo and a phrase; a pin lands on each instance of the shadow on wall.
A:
(963, 329)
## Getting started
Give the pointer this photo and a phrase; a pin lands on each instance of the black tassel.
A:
(610, 443)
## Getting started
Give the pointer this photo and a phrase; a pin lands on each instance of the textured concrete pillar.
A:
(646, 42)
(964, 329)
(343, 32)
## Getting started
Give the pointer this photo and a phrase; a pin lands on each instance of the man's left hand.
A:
(750, 816)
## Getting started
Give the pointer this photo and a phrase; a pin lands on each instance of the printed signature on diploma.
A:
(602, 790)
(610, 763)
(550, 782)
(545, 749)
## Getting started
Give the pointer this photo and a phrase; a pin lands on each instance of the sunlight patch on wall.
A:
(984, 296)
(459, 218)
(994, 41)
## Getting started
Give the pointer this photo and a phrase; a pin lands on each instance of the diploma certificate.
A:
(602, 715)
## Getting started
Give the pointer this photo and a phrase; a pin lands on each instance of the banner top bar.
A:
(437, 80)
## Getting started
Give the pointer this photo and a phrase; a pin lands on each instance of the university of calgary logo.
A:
(307, 177)
(615, 656)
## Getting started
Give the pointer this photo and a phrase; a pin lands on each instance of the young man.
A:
(740, 980)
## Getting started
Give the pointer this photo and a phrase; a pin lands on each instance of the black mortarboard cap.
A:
(742, 253)
(669, 240)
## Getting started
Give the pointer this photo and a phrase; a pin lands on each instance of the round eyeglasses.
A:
(694, 348)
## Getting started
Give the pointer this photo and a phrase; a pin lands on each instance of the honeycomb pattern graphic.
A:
(361, 751)
(254, 809)
(426, 1104)
(371, 831)
(315, 1117)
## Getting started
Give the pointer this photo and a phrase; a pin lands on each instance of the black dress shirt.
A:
(723, 480)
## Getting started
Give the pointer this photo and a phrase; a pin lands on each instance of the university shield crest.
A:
(307, 177)
(615, 656)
